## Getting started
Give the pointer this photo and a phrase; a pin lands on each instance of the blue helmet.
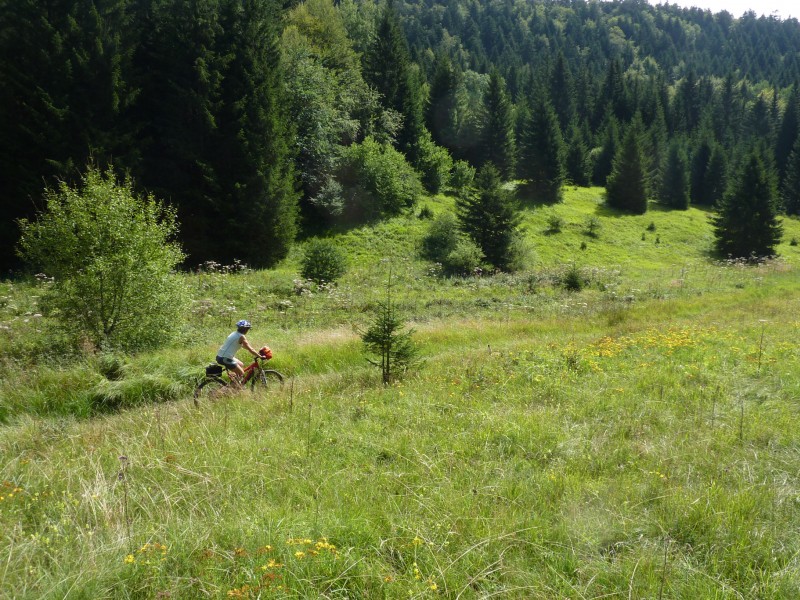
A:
(244, 324)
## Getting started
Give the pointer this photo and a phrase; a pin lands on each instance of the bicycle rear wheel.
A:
(209, 388)
(266, 378)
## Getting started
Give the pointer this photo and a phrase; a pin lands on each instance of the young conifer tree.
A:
(626, 188)
(542, 154)
(791, 182)
(387, 340)
(674, 191)
(489, 216)
(747, 224)
(497, 143)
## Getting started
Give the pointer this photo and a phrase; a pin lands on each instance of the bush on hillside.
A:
(329, 201)
(462, 177)
(441, 238)
(323, 262)
(554, 224)
(113, 260)
(464, 260)
(573, 280)
(593, 227)
(376, 182)
(434, 163)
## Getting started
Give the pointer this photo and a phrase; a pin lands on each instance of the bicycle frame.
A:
(255, 374)
(249, 371)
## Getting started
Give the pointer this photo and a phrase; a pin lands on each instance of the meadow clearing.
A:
(634, 439)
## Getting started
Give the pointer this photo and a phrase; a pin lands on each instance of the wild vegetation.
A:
(530, 268)
(634, 438)
(261, 121)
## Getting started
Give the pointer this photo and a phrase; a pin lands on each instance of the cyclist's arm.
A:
(243, 341)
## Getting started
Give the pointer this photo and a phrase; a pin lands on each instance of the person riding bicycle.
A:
(226, 355)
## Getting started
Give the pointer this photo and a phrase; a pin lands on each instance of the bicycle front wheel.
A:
(266, 378)
(209, 388)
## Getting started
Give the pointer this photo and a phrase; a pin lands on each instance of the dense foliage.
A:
(111, 257)
(747, 225)
(323, 261)
(243, 114)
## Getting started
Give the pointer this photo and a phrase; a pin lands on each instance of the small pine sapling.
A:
(388, 340)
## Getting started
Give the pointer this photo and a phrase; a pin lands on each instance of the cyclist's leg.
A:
(235, 369)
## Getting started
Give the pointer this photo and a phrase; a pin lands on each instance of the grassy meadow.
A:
(635, 439)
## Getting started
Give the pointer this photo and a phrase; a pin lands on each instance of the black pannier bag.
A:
(214, 370)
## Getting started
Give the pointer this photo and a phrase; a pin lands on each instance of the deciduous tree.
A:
(113, 257)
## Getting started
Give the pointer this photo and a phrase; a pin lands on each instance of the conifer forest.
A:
(261, 121)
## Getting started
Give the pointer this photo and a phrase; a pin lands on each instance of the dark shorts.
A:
(228, 363)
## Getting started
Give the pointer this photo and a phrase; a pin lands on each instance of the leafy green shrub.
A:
(441, 238)
(464, 259)
(113, 260)
(329, 200)
(521, 253)
(434, 163)
(652, 226)
(793, 242)
(323, 261)
(462, 177)
(376, 181)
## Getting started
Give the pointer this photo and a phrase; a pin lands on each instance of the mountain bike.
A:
(217, 381)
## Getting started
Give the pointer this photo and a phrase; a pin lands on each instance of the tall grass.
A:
(636, 439)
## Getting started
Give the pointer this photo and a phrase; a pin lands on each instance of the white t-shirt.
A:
(231, 345)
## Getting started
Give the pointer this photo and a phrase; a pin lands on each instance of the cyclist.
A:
(226, 355)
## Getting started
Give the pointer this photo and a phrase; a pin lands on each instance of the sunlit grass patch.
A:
(632, 439)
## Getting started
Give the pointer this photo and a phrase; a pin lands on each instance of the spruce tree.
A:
(497, 144)
(562, 94)
(791, 181)
(542, 155)
(489, 216)
(613, 95)
(609, 145)
(687, 104)
(576, 159)
(787, 132)
(387, 340)
(178, 73)
(716, 179)
(443, 103)
(674, 190)
(758, 124)
(747, 223)
(64, 91)
(626, 188)
(388, 68)
(255, 159)
(699, 170)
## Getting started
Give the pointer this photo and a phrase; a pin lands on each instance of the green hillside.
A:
(636, 439)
